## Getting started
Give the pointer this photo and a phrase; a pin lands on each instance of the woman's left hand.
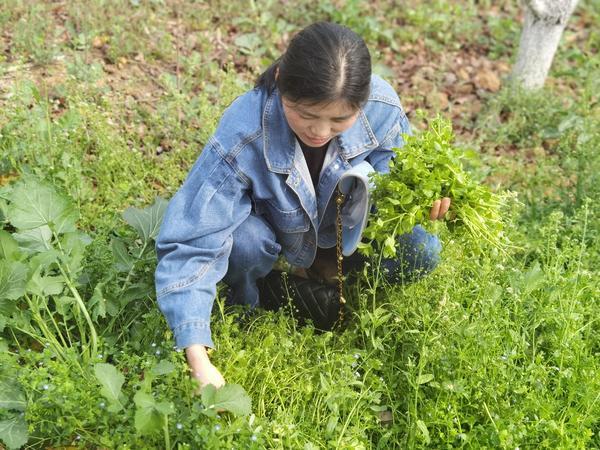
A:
(439, 209)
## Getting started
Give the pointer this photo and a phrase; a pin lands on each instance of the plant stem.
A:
(83, 309)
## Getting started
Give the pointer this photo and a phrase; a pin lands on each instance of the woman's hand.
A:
(439, 209)
(201, 367)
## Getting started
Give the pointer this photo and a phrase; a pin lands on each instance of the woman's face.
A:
(315, 125)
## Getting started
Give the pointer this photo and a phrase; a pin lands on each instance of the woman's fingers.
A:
(439, 208)
(444, 206)
(435, 210)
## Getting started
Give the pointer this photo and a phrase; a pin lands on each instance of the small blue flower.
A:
(45, 387)
(179, 426)
(253, 438)
(154, 344)
(102, 404)
(217, 427)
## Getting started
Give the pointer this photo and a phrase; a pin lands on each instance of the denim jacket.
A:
(252, 165)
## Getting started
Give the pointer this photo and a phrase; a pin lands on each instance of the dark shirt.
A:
(314, 157)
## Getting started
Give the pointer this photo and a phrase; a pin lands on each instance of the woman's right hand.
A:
(201, 367)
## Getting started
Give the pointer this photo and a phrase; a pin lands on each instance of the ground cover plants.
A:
(104, 110)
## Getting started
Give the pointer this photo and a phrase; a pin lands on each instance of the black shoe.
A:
(308, 299)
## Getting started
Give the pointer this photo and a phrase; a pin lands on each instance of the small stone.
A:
(386, 418)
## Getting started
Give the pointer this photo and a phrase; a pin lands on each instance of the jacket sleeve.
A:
(194, 244)
(381, 156)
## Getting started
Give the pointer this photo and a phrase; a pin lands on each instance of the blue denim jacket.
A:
(251, 164)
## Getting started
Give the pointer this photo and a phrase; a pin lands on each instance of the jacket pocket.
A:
(287, 221)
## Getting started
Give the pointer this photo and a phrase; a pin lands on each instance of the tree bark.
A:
(545, 21)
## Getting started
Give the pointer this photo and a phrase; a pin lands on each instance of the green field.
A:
(104, 107)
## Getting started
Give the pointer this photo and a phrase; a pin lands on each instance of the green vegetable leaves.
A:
(111, 381)
(150, 415)
(33, 205)
(231, 397)
(146, 221)
(13, 429)
(427, 168)
(13, 432)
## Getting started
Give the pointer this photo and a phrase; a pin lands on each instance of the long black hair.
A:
(324, 62)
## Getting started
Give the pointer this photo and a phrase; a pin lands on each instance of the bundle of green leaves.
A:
(429, 167)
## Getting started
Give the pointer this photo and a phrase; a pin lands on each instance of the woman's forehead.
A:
(333, 109)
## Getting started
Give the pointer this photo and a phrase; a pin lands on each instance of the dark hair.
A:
(324, 62)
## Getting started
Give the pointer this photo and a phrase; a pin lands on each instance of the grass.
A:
(492, 351)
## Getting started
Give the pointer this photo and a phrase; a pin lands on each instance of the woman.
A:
(262, 183)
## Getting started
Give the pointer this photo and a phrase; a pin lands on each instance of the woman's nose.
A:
(319, 130)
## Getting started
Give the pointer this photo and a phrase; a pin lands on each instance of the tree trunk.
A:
(545, 21)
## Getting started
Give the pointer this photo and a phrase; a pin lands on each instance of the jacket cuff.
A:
(194, 332)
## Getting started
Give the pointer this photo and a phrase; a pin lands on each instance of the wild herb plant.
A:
(429, 167)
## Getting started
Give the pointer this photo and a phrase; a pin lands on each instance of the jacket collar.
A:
(279, 141)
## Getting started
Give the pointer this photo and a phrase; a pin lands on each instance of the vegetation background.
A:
(108, 104)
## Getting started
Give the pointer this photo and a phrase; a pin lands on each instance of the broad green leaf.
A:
(11, 395)
(248, 42)
(13, 279)
(424, 431)
(9, 248)
(97, 303)
(146, 221)
(13, 432)
(64, 305)
(207, 394)
(35, 240)
(231, 397)
(165, 408)
(45, 285)
(43, 260)
(533, 278)
(163, 367)
(424, 378)
(73, 244)
(150, 414)
(123, 261)
(136, 291)
(34, 203)
(111, 380)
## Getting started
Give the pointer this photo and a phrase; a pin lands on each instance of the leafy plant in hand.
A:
(426, 168)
